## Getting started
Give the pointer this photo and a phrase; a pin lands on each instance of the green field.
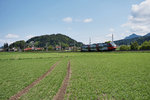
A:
(99, 75)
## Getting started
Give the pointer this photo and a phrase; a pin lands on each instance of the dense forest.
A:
(53, 40)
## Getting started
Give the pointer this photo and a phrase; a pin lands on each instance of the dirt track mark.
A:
(26, 89)
(62, 91)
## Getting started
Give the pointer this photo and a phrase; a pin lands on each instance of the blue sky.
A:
(79, 19)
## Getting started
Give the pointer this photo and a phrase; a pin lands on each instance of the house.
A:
(38, 49)
(58, 47)
(28, 49)
(32, 49)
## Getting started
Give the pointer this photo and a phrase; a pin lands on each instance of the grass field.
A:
(108, 75)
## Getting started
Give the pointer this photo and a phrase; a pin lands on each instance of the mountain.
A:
(139, 39)
(53, 40)
(148, 34)
(132, 36)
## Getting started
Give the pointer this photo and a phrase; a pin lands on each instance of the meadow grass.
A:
(95, 75)
(110, 75)
(17, 74)
(27, 55)
(49, 86)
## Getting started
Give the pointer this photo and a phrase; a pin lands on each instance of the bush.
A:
(124, 48)
(50, 48)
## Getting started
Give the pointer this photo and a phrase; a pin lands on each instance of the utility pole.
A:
(74, 46)
(47, 47)
(60, 45)
(112, 38)
(89, 41)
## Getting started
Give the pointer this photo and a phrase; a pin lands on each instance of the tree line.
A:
(135, 46)
(21, 45)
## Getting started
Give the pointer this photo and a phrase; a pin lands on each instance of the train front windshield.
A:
(113, 44)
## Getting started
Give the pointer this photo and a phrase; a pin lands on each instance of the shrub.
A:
(124, 47)
(50, 48)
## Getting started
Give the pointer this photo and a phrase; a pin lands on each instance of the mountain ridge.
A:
(148, 34)
(138, 38)
(132, 36)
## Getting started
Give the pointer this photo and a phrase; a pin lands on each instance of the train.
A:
(107, 46)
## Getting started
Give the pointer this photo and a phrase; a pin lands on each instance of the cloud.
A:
(67, 19)
(88, 20)
(139, 20)
(11, 36)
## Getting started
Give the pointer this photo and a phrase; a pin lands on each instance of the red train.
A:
(107, 46)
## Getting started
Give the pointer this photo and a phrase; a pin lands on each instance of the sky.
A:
(78, 19)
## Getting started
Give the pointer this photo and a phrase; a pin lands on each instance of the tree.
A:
(21, 44)
(124, 47)
(145, 45)
(134, 45)
(6, 47)
(18, 44)
(64, 45)
(36, 44)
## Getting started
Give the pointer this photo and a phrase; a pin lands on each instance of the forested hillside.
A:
(53, 40)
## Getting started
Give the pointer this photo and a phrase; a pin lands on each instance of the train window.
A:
(100, 45)
(105, 45)
(92, 46)
(85, 47)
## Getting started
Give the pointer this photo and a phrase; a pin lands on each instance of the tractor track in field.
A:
(62, 91)
(26, 89)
